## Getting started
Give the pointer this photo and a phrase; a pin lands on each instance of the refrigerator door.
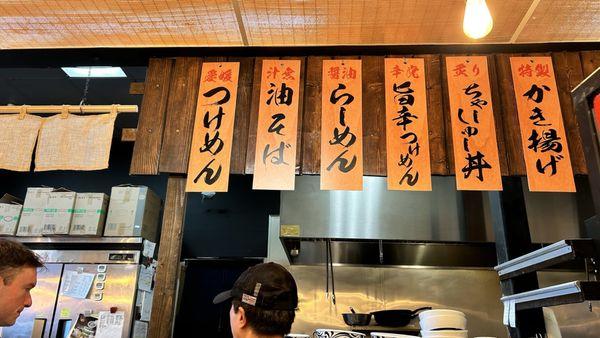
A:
(35, 321)
(114, 285)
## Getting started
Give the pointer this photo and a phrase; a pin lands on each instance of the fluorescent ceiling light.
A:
(94, 71)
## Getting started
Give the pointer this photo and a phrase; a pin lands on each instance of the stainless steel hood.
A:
(380, 227)
(376, 213)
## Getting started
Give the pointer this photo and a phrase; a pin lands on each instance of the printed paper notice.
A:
(110, 325)
(145, 279)
(77, 284)
(140, 329)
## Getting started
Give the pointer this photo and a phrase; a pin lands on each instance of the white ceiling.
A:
(28, 24)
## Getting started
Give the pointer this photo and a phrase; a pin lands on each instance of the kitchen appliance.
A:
(79, 280)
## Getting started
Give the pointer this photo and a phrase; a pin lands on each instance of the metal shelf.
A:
(563, 251)
(567, 293)
(80, 243)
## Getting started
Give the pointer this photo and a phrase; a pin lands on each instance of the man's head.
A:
(18, 275)
(263, 302)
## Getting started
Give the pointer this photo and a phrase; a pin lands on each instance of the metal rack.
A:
(566, 293)
(563, 251)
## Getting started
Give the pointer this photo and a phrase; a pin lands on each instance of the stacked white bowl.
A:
(443, 324)
(389, 335)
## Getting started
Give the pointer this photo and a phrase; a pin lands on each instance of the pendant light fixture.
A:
(478, 20)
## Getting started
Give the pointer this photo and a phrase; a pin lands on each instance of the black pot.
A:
(357, 319)
(396, 317)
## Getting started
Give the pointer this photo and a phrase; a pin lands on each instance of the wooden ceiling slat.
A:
(163, 23)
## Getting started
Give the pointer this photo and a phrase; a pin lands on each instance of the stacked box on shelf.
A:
(10, 211)
(58, 213)
(30, 223)
(133, 212)
(89, 214)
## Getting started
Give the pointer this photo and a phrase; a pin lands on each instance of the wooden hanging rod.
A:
(84, 109)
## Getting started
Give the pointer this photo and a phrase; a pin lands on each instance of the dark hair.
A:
(267, 322)
(13, 256)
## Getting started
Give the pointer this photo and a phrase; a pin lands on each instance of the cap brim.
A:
(222, 297)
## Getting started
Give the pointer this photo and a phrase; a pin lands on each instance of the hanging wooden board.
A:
(341, 126)
(474, 141)
(543, 137)
(210, 155)
(407, 136)
(276, 135)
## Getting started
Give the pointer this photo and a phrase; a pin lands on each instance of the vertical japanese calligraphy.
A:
(341, 126)
(210, 155)
(543, 137)
(476, 161)
(407, 137)
(276, 136)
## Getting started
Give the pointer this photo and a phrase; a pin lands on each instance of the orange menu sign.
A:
(476, 161)
(543, 137)
(341, 126)
(210, 155)
(407, 136)
(276, 136)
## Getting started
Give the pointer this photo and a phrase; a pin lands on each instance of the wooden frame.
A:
(583, 96)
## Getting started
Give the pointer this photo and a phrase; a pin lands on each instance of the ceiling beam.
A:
(524, 20)
(240, 21)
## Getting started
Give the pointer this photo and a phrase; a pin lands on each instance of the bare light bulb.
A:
(478, 20)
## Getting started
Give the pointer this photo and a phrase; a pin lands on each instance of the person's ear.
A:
(241, 317)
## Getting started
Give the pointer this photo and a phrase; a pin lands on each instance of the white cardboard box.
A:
(58, 213)
(133, 212)
(30, 223)
(10, 211)
(89, 214)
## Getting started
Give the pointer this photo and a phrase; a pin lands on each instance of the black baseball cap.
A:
(267, 286)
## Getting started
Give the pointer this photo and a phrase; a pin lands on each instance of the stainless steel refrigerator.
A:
(62, 292)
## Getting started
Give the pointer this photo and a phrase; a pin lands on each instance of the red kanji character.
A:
(460, 69)
(525, 70)
(211, 76)
(272, 72)
(334, 73)
(475, 69)
(542, 70)
(413, 71)
(225, 76)
(396, 71)
(287, 74)
(349, 73)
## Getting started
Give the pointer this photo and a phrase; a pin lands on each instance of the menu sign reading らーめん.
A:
(341, 126)
(212, 138)
(543, 137)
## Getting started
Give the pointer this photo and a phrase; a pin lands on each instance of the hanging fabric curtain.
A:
(18, 134)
